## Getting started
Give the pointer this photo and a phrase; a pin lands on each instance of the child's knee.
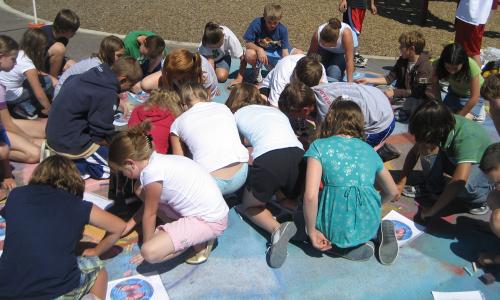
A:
(151, 253)
(250, 56)
(32, 155)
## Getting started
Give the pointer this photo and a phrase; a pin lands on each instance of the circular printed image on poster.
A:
(403, 231)
(2, 226)
(132, 289)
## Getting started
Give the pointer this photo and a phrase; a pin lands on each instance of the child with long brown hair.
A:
(161, 109)
(46, 219)
(177, 187)
(345, 216)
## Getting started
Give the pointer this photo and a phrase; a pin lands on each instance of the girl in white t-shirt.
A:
(218, 45)
(27, 93)
(209, 131)
(178, 188)
(277, 165)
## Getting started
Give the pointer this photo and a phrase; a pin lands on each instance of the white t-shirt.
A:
(210, 132)
(209, 77)
(266, 128)
(376, 109)
(13, 80)
(474, 11)
(339, 48)
(231, 46)
(280, 76)
(187, 188)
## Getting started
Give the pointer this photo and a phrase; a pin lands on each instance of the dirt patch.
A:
(185, 20)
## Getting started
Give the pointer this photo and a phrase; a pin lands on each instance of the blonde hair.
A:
(193, 90)
(181, 62)
(59, 172)
(330, 33)
(135, 143)
(491, 87)
(244, 94)
(165, 99)
(272, 12)
(343, 117)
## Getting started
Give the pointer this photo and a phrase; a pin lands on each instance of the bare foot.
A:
(489, 259)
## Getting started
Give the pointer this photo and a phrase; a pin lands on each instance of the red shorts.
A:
(469, 36)
(354, 17)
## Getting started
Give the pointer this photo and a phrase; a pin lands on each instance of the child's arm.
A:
(175, 142)
(436, 89)
(56, 57)
(153, 194)
(150, 82)
(457, 182)
(375, 81)
(32, 77)
(313, 179)
(348, 45)
(113, 225)
(385, 181)
(475, 91)
(410, 162)
(373, 7)
(8, 182)
(343, 6)
(261, 53)
(313, 48)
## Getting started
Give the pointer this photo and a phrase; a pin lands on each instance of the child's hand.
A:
(373, 9)
(262, 56)
(343, 6)
(137, 259)
(89, 252)
(319, 241)
(362, 80)
(9, 184)
(389, 93)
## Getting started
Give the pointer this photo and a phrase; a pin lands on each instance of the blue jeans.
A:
(334, 64)
(377, 138)
(456, 102)
(228, 186)
(476, 189)
(27, 101)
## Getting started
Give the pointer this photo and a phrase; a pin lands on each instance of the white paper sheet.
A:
(103, 203)
(406, 229)
(137, 287)
(472, 295)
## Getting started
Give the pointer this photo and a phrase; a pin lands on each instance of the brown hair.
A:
(165, 99)
(34, 43)
(491, 87)
(344, 117)
(109, 45)
(127, 66)
(272, 12)
(296, 96)
(330, 33)
(431, 123)
(181, 62)
(193, 90)
(59, 172)
(155, 46)
(413, 39)
(66, 21)
(309, 70)
(212, 35)
(7, 45)
(134, 143)
(491, 158)
(244, 94)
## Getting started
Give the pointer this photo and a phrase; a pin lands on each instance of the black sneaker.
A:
(388, 248)
(388, 152)
(360, 253)
(481, 210)
(277, 252)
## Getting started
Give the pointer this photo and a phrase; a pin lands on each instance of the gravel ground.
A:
(184, 20)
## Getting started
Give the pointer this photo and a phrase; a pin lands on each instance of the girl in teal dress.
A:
(346, 214)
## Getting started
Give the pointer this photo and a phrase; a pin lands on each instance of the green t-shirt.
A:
(466, 142)
(131, 44)
(462, 88)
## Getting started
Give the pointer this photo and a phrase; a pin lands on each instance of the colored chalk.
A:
(468, 271)
(474, 267)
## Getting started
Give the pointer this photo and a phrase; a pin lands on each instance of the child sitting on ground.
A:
(45, 221)
(28, 93)
(412, 73)
(161, 109)
(110, 50)
(154, 49)
(209, 131)
(80, 125)
(307, 69)
(266, 40)
(451, 144)
(465, 81)
(134, 43)
(58, 35)
(345, 216)
(182, 66)
(277, 165)
(219, 44)
(490, 165)
(491, 92)
(175, 186)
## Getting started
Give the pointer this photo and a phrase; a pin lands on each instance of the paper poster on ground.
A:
(406, 230)
(137, 287)
(101, 202)
(472, 295)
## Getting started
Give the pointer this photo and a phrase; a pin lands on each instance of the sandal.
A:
(201, 256)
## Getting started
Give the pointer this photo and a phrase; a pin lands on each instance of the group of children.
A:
(303, 138)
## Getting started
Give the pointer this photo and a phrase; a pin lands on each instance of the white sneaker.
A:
(258, 76)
